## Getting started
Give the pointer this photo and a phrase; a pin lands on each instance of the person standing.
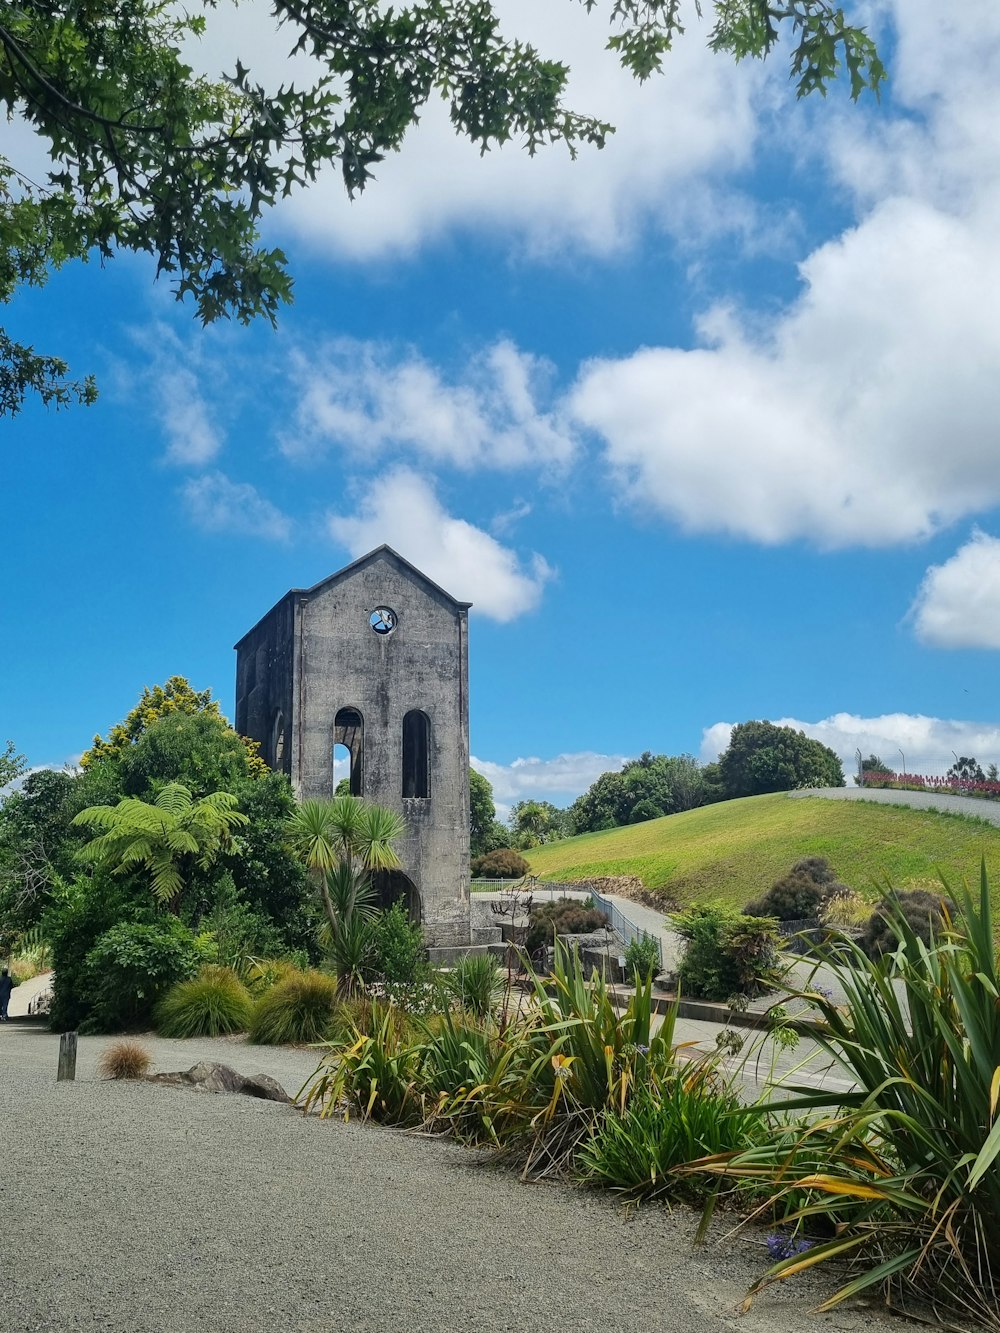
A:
(6, 986)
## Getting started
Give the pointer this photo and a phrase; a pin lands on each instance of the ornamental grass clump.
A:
(297, 1009)
(903, 1170)
(212, 1004)
(124, 1059)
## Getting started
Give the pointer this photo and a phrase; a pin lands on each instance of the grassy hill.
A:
(732, 851)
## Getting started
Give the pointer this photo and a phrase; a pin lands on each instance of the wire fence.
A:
(622, 926)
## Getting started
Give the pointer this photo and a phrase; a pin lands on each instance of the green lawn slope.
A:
(731, 852)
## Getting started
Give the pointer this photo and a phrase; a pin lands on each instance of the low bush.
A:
(124, 1059)
(642, 956)
(845, 910)
(398, 950)
(565, 916)
(477, 984)
(130, 967)
(799, 896)
(504, 863)
(923, 910)
(297, 1009)
(212, 1004)
(726, 954)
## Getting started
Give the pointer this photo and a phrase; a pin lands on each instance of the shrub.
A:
(130, 967)
(477, 983)
(726, 953)
(800, 895)
(923, 911)
(690, 1115)
(260, 974)
(298, 1008)
(213, 1003)
(399, 952)
(565, 916)
(642, 955)
(504, 863)
(124, 1059)
(898, 1160)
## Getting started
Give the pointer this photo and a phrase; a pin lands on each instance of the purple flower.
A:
(786, 1247)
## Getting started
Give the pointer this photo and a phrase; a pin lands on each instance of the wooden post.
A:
(67, 1057)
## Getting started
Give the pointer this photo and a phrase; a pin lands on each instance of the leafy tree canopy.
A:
(762, 757)
(142, 751)
(645, 788)
(535, 822)
(966, 768)
(11, 764)
(148, 157)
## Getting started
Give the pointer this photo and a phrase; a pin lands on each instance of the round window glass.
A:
(382, 620)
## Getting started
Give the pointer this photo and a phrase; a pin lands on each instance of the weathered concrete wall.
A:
(264, 684)
(321, 656)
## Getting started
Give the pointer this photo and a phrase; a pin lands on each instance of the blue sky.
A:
(705, 424)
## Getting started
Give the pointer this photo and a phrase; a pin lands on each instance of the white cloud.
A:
(176, 383)
(371, 399)
(958, 605)
(218, 504)
(865, 413)
(402, 509)
(929, 744)
(674, 135)
(193, 439)
(560, 779)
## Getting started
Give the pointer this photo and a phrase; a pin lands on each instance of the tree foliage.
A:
(11, 764)
(966, 768)
(161, 837)
(762, 757)
(645, 788)
(533, 823)
(150, 158)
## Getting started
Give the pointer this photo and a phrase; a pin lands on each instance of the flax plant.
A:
(902, 1169)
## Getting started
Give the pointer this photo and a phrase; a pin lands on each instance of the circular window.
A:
(382, 620)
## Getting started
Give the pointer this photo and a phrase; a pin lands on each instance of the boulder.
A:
(207, 1076)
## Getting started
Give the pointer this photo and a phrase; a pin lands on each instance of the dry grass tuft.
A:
(124, 1059)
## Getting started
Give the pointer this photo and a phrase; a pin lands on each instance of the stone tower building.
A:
(374, 658)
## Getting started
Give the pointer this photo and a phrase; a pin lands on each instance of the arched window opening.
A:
(348, 748)
(416, 754)
(278, 742)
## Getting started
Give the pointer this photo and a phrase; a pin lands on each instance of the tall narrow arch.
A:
(416, 754)
(278, 742)
(349, 732)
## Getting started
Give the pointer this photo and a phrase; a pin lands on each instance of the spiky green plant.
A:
(212, 1004)
(905, 1165)
(477, 984)
(668, 1124)
(297, 1009)
(342, 843)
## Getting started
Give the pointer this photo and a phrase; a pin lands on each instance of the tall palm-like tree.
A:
(158, 837)
(342, 844)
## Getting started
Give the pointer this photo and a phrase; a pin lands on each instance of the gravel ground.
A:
(141, 1208)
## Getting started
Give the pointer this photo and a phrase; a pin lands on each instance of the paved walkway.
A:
(21, 996)
(973, 806)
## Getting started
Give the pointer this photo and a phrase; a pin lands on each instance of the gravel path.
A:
(143, 1209)
(919, 800)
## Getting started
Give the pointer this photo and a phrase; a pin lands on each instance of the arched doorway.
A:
(392, 886)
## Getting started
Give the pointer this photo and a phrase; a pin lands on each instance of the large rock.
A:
(207, 1076)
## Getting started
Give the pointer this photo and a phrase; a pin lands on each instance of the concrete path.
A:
(972, 806)
(22, 996)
